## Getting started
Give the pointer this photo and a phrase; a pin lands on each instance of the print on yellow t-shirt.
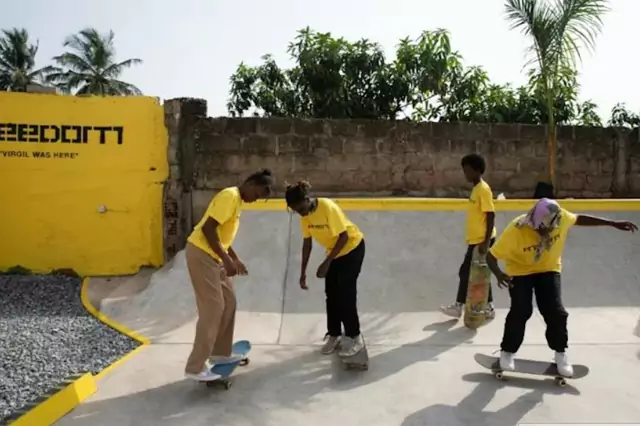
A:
(480, 203)
(517, 247)
(326, 223)
(225, 209)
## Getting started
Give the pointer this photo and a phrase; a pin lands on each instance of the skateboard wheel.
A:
(210, 384)
(561, 382)
(244, 362)
(499, 375)
(227, 385)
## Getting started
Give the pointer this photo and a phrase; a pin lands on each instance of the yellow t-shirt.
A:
(480, 203)
(225, 208)
(516, 247)
(326, 223)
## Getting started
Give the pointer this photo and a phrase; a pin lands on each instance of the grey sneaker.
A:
(331, 343)
(453, 310)
(350, 346)
(204, 376)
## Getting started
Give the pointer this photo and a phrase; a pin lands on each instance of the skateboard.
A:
(477, 291)
(240, 349)
(528, 366)
(359, 361)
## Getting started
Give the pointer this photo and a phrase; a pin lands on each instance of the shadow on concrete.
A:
(471, 410)
(397, 359)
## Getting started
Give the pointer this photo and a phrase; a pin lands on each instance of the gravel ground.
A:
(46, 335)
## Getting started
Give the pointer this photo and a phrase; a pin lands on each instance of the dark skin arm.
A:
(503, 279)
(324, 267)
(209, 229)
(242, 269)
(491, 220)
(588, 220)
(307, 245)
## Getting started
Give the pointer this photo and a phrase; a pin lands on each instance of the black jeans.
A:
(547, 287)
(341, 289)
(464, 272)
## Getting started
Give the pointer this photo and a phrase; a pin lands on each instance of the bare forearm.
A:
(306, 253)
(211, 234)
(342, 241)
(491, 220)
(587, 220)
(233, 254)
(493, 265)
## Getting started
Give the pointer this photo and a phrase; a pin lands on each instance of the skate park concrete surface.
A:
(422, 370)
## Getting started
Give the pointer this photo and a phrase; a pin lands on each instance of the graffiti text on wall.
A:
(56, 133)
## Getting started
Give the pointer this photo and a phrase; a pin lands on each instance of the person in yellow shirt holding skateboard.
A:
(212, 262)
(323, 220)
(531, 247)
(480, 231)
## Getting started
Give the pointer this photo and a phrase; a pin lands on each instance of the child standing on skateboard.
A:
(323, 220)
(531, 247)
(480, 230)
(212, 262)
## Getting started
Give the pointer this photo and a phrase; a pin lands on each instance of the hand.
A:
(242, 269)
(504, 280)
(303, 282)
(624, 225)
(323, 269)
(483, 247)
(229, 267)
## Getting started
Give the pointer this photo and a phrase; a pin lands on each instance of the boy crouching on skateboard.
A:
(531, 247)
(212, 262)
(323, 220)
(480, 231)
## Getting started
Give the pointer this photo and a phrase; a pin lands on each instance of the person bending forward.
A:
(531, 247)
(323, 220)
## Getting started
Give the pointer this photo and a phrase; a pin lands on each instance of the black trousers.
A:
(341, 290)
(464, 272)
(547, 287)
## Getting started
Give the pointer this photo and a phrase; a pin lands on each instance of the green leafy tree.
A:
(18, 61)
(622, 117)
(90, 67)
(557, 31)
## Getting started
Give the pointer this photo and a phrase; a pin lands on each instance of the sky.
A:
(190, 48)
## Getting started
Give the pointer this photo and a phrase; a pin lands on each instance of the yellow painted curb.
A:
(448, 204)
(52, 406)
(84, 297)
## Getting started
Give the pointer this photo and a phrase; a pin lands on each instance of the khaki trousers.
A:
(216, 303)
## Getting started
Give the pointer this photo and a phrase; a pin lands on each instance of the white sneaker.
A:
(350, 346)
(564, 367)
(507, 361)
(331, 343)
(453, 310)
(204, 376)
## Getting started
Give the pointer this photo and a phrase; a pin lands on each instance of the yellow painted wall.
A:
(56, 173)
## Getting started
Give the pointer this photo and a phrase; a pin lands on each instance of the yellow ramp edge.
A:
(61, 400)
(444, 204)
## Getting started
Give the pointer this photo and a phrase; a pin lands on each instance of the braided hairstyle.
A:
(296, 194)
(263, 178)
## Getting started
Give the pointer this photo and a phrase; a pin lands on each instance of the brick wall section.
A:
(400, 158)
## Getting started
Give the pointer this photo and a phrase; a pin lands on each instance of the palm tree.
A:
(558, 29)
(90, 67)
(17, 61)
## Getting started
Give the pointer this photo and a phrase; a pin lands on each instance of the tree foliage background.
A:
(427, 80)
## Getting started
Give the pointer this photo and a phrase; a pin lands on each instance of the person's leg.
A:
(350, 267)
(549, 298)
(334, 326)
(455, 309)
(224, 341)
(515, 324)
(207, 286)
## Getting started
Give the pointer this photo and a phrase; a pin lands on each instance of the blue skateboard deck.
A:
(239, 352)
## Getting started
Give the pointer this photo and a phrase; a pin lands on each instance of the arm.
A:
(491, 221)
(306, 253)
(587, 220)
(233, 255)
(209, 229)
(342, 240)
